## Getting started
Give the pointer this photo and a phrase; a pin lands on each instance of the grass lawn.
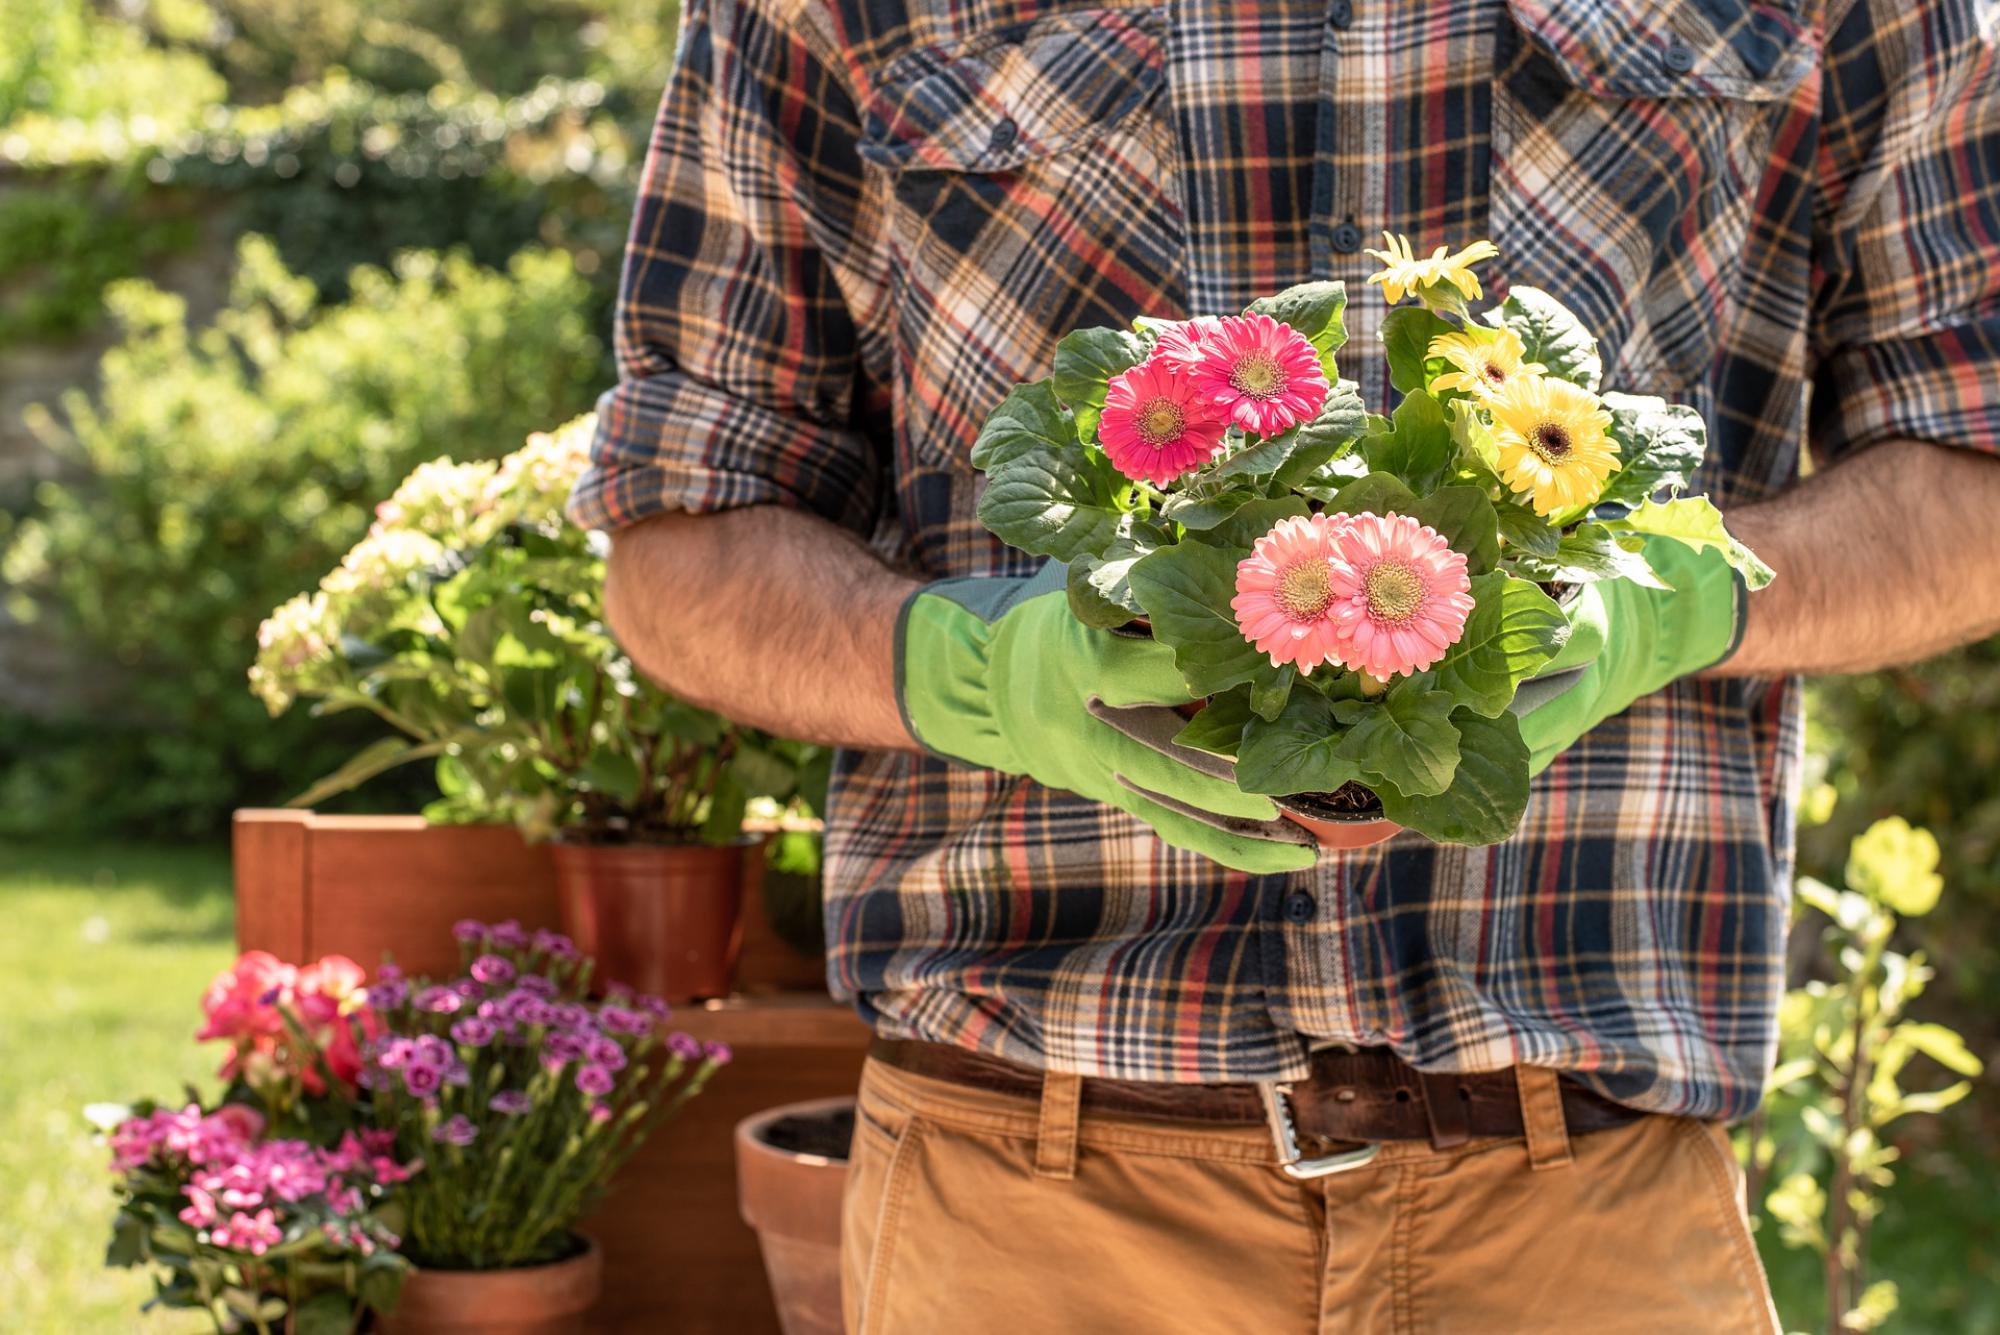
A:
(105, 954)
(103, 959)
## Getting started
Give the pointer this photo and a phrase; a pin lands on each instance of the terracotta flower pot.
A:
(663, 918)
(791, 1168)
(526, 1300)
(1336, 829)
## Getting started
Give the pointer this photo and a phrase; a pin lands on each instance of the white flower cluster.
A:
(385, 558)
(534, 481)
(452, 502)
(294, 640)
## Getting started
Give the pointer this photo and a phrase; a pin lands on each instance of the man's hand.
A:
(998, 673)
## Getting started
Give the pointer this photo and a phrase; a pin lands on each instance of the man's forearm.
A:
(1886, 558)
(773, 617)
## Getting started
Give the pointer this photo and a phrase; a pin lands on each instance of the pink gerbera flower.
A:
(1399, 594)
(1262, 374)
(1182, 346)
(1285, 592)
(1156, 425)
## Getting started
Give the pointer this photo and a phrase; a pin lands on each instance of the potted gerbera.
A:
(524, 1098)
(270, 1209)
(1356, 599)
(471, 620)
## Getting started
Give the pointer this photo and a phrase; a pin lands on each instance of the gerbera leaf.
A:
(1552, 335)
(1407, 332)
(1218, 728)
(1375, 494)
(1488, 793)
(1522, 528)
(1513, 631)
(1405, 739)
(1341, 421)
(1205, 504)
(1057, 505)
(1465, 519)
(1316, 310)
(1028, 421)
(1085, 363)
(1660, 444)
(1588, 553)
(1418, 448)
(1186, 591)
(1695, 521)
(1100, 588)
(1253, 520)
(1297, 752)
(1270, 691)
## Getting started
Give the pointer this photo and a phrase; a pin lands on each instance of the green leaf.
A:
(1261, 458)
(1085, 363)
(1329, 436)
(1524, 529)
(1488, 793)
(1270, 690)
(1418, 448)
(1205, 504)
(1028, 421)
(1375, 494)
(1464, 518)
(1588, 553)
(1186, 590)
(1943, 1046)
(1406, 739)
(1100, 589)
(1695, 521)
(1314, 309)
(613, 773)
(1253, 520)
(128, 1241)
(1297, 752)
(722, 823)
(1552, 335)
(1660, 444)
(324, 1314)
(1514, 629)
(1407, 332)
(1218, 728)
(373, 759)
(1052, 505)
(762, 773)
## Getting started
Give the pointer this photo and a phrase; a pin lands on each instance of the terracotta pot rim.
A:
(745, 840)
(582, 1253)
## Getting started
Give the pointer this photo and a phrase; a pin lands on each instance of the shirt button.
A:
(1679, 57)
(1002, 134)
(1342, 14)
(1347, 238)
(1300, 907)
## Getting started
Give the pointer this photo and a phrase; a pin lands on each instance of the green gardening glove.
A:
(998, 673)
(1627, 641)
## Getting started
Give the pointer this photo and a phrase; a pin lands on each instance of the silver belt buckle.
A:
(1284, 1134)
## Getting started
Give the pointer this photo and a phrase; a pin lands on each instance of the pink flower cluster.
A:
(1167, 415)
(243, 1192)
(1380, 594)
(247, 1004)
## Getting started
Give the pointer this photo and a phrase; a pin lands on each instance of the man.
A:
(1144, 1065)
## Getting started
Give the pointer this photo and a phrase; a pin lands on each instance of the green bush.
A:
(61, 59)
(221, 470)
(62, 240)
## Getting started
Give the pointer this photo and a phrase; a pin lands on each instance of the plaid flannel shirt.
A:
(863, 220)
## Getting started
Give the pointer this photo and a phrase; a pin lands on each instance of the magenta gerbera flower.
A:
(1156, 425)
(1285, 592)
(1182, 346)
(1399, 594)
(1261, 374)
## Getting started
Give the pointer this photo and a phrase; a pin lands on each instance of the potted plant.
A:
(471, 619)
(524, 1098)
(271, 1209)
(1355, 600)
(791, 1172)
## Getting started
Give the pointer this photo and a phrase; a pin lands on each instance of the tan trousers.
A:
(970, 1212)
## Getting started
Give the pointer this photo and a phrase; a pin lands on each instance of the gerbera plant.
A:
(1357, 598)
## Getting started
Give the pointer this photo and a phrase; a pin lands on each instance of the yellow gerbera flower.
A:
(1555, 442)
(1485, 360)
(1403, 274)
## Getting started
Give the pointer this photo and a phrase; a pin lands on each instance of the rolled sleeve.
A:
(738, 357)
(1907, 236)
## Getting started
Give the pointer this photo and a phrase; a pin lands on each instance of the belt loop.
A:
(1542, 1117)
(1055, 1137)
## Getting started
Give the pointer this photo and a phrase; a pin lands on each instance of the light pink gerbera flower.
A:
(1285, 592)
(1156, 425)
(1400, 595)
(1264, 375)
(1182, 346)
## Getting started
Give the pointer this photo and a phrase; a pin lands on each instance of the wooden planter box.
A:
(676, 1255)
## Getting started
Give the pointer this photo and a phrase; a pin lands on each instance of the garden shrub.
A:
(62, 240)
(220, 470)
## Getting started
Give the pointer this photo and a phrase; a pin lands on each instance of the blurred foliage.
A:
(220, 470)
(64, 60)
(61, 243)
(1845, 1044)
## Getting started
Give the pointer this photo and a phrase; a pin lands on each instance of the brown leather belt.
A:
(1362, 1096)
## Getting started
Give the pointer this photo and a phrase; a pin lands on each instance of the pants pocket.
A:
(885, 1141)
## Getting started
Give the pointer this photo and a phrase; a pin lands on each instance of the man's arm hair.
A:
(770, 616)
(1889, 556)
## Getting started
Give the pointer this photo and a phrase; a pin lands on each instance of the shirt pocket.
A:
(1631, 139)
(1031, 189)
